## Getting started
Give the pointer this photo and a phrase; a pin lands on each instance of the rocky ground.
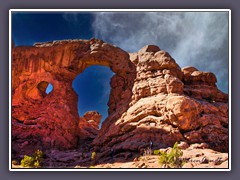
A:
(194, 156)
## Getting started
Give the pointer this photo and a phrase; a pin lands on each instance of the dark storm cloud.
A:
(198, 39)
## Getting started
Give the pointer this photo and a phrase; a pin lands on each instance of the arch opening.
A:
(93, 89)
(44, 88)
(49, 88)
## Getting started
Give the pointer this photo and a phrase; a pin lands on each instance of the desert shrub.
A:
(156, 152)
(93, 158)
(33, 161)
(93, 155)
(173, 158)
(27, 161)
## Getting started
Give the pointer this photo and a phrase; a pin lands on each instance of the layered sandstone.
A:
(88, 125)
(168, 104)
(152, 100)
(51, 121)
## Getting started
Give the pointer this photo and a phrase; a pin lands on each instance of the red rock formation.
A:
(89, 125)
(168, 104)
(51, 121)
(152, 99)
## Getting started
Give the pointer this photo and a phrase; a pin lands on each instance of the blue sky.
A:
(198, 39)
(93, 85)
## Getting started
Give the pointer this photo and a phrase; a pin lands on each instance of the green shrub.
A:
(173, 158)
(33, 161)
(27, 161)
(156, 152)
(93, 155)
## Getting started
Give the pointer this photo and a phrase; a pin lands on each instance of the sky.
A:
(198, 39)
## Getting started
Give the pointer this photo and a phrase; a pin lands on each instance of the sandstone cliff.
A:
(152, 100)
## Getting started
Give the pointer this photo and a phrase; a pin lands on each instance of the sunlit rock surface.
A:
(152, 100)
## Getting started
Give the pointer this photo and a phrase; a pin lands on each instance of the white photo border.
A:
(116, 10)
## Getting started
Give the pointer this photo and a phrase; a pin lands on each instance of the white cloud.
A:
(71, 17)
(198, 39)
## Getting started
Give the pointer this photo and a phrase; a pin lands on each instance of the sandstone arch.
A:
(151, 99)
(59, 63)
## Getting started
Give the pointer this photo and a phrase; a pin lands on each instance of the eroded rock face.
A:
(88, 125)
(152, 100)
(41, 121)
(168, 104)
